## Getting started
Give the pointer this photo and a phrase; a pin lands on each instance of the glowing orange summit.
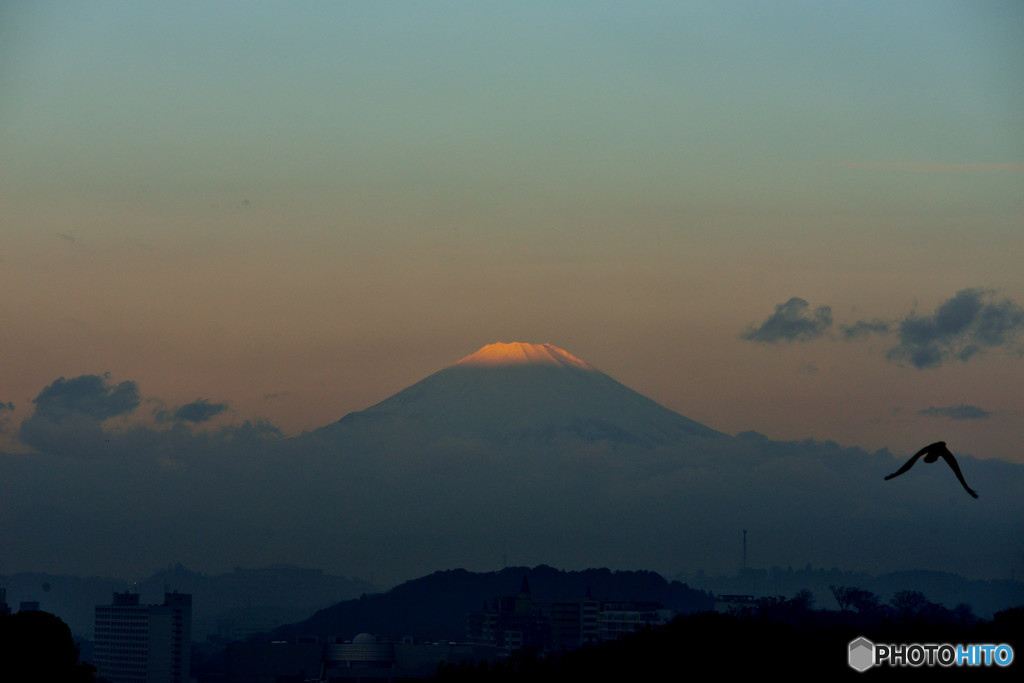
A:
(518, 353)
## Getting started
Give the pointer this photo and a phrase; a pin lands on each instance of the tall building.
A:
(137, 643)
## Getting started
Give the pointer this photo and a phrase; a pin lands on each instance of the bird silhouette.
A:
(932, 453)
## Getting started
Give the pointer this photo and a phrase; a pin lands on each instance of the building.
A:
(137, 643)
(731, 604)
(619, 619)
(521, 624)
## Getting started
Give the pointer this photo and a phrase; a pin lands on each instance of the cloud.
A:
(865, 328)
(89, 396)
(933, 166)
(960, 412)
(200, 410)
(276, 394)
(792, 322)
(960, 328)
(69, 413)
(4, 420)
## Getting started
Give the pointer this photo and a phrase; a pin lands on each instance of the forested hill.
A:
(435, 606)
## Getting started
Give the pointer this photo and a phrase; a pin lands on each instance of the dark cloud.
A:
(960, 412)
(198, 411)
(69, 413)
(246, 496)
(792, 321)
(960, 328)
(865, 328)
(89, 396)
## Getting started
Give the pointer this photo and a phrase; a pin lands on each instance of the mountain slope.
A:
(511, 393)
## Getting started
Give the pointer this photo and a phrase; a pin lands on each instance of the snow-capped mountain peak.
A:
(516, 393)
(519, 353)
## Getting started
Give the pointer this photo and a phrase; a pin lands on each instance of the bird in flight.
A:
(932, 453)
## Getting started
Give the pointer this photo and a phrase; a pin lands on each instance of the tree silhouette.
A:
(909, 604)
(37, 646)
(848, 597)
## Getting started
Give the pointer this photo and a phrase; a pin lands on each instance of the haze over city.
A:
(247, 220)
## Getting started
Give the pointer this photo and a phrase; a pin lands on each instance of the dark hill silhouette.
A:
(435, 606)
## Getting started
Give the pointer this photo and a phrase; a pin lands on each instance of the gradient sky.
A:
(301, 208)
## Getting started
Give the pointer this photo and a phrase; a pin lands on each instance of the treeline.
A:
(786, 636)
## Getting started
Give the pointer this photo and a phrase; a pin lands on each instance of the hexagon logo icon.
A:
(862, 654)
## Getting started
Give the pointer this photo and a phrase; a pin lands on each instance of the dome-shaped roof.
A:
(364, 639)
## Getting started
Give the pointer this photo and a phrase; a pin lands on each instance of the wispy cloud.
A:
(198, 411)
(865, 328)
(960, 412)
(276, 394)
(933, 166)
(792, 321)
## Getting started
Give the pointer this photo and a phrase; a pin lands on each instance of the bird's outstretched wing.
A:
(910, 463)
(951, 461)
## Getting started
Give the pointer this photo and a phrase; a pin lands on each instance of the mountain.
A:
(517, 393)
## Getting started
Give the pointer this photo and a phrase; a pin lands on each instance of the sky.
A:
(799, 219)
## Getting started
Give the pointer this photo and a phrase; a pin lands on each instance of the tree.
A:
(803, 599)
(848, 597)
(37, 646)
(909, 604)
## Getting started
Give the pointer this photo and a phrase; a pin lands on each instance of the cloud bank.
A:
(365, 498)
